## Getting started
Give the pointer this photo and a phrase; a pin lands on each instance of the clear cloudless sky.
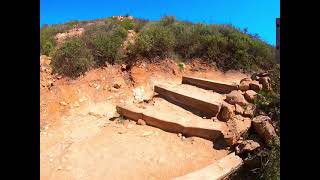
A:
(259, 16)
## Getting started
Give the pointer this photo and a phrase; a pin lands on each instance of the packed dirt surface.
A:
(82, 138)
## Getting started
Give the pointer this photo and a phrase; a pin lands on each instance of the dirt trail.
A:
(79, 141)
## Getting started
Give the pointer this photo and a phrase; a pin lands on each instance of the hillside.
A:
(78, 46)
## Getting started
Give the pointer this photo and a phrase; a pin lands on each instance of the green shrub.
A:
(139, 24)
(167, 20)
(269, 102)
(105, 42)
(271, 163)
(47, 39)
(153, 41)
(72, 59)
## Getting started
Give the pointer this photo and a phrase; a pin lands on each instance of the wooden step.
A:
(217, 170)
(197, 100)
(220, 87)
(170, 118)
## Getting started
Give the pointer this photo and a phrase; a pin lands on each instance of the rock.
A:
(250, 95)
(226, 112)
(141, 122)
(249, 111)
(179, 135)
(242, 124)
(236, 97)
(117, 85)
(126, 122)
(266, 83)
(123, 67)
(63, 103)
(244, 85)
(238, 109)
(247, 146)
(263, 127)
(254, 85)
(245, 79)
(255, 76)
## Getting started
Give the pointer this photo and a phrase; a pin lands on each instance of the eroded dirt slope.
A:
(78, 140)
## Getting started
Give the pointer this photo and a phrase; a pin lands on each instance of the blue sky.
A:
(259, 16)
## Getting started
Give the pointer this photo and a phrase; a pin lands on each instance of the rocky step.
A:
(220, 87)
(171, 118)
(199, 101)
(217, 170)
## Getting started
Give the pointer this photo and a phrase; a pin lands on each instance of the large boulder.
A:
(266, 83)
(242, 124)
(238, 109)
(226, 112)
(236, 97)
(250, 95)
(264, 128)
(254, 85)
(244, 85)
(247, 146)
(249, 110)
(238, 126)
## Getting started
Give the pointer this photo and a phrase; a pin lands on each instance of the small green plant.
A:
(72, 59)
(121, 119)
(181, 66)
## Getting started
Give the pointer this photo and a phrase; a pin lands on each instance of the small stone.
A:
(59, 168)
(179, 135)
(129, 126)
(141, 122)
(63, 103)
(50, 159)
(123, 67)
(117, 85)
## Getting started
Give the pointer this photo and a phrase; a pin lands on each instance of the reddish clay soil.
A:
(79, 141)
